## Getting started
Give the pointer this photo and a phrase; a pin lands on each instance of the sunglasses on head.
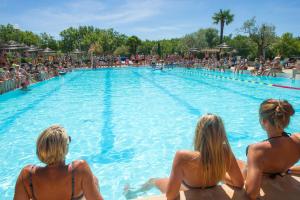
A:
(70, 139)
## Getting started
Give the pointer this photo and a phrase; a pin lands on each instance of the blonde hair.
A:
(277, 112)
(212, 143)
(52, 145)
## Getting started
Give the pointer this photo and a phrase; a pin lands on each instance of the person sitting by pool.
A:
(296, 69)
(211, 161)
(56, 180)
(256, 67)
(275, 155)
(275, 67)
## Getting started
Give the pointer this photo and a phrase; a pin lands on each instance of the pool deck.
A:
(287, 187)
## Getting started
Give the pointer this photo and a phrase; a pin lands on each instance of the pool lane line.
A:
(11, 119)
(216, 87)
(192, 110)
(248, 85)
(287, 87)
(107, 135)
(250, 81)
(108, 153)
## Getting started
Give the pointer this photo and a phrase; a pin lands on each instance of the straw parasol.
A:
(32, 48)
(77, 51)
(212, 50)
(194, 50)
(48, 51)
(12, 45)
(224, 46)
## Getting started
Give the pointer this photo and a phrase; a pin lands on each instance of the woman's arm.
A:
(234, 175)
(254, 173)
(295, 170)
(175, 177)
(20, 191)
(90, 188)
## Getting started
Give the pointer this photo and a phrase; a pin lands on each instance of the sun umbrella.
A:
(32, 48)
(77, 51)
(224, 46)
(194, 50)
(210, 50)
(12, 45)
(48, 51)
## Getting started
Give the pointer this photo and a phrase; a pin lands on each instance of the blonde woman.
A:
(56, 180)
(211, 162)
(278, 153)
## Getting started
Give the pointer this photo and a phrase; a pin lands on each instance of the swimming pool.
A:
(128, 123)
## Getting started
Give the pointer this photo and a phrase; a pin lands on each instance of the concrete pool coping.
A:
(287, 187)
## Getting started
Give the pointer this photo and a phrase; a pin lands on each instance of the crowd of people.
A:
(211, 162)
(15, 74)
(18, 75)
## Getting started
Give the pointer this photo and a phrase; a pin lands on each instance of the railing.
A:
(8, 85)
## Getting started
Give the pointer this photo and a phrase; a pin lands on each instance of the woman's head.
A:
(52, 145)
(212, 143)
(276, 112)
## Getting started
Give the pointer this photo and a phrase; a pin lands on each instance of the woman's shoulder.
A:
(186, 155)
(296, 136)
(80, 165)
(257, 149)
(27, 171)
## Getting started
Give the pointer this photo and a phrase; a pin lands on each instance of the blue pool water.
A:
(128, 123)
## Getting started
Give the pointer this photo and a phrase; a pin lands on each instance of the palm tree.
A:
(223, 17)
(95, 48)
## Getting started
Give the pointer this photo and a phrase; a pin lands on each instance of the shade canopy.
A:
(77, 51)
(32, 48)
(206, 50)
(48, 51)
(194, 50)
(12, 45)
(224, 46)
(233, 51)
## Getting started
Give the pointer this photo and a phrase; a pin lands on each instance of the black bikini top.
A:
(284, 134)
(71, 166)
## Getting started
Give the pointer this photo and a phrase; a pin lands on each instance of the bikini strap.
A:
(30, 181)
(73, 180)
(286, 134)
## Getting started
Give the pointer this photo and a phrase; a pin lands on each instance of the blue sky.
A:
(148, 19)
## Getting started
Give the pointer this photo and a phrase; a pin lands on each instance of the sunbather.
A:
(56, 180)
(296, 69)
(275, 155)
(211, 161)
(275, 67)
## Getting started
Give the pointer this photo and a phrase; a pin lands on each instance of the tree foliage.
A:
(223, 17)
(133, 42)
(287, 45)
(260, 40)
(263, 35)
(121, 51)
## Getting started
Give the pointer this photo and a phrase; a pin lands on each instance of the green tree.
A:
(223, 17)
(211, 36)
(133, 42)
(244, 46)
(146, 47)
(70, 39)
(159, 52)
(96, 49)
(48, 41)
(263, 35)
(121, 51)
(287, 45)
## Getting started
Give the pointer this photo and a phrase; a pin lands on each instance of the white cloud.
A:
(53, 19)
(163, 28)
